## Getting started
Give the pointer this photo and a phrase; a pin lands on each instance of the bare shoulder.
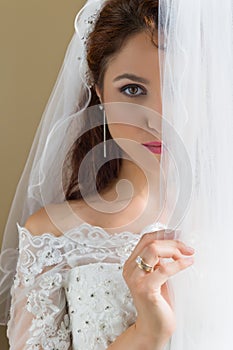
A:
(53, 218)
(40, 222)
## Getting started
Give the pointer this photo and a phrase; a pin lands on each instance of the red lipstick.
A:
(154, 146)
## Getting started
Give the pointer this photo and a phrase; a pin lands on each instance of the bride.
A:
(98, 281)
(91, 253)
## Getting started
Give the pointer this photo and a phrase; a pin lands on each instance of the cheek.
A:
(128, 138)
(123, 131)
(125, 136)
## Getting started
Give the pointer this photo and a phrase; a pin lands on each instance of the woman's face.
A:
(132, 79)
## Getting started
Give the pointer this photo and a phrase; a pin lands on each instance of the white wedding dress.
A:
(69, 292)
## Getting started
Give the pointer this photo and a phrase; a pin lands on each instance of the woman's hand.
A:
(155, 317)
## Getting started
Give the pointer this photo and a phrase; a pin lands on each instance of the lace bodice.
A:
(69, 292)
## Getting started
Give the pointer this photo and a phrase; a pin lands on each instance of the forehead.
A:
(138, 54)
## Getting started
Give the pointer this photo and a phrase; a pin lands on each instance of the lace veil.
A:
(197, 128)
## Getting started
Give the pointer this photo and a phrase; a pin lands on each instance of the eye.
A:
(133, 90)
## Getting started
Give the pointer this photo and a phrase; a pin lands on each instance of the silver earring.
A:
(104, 128)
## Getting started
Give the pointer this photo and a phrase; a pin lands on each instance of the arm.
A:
(155, 321)
(131, 339)
(38, 309)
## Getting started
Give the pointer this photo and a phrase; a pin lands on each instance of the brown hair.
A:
(116, 23)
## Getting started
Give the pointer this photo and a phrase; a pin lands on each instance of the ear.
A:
(98, 93)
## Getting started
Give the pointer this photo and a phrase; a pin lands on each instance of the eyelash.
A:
(124, 88)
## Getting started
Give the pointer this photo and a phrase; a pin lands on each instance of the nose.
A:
(154, 117)
(156, 103)
(155, 100)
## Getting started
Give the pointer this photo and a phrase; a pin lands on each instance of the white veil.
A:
(197, 76)
(70, 94)
(198, 102)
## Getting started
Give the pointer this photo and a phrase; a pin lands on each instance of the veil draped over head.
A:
(197, 131)
(37, 187)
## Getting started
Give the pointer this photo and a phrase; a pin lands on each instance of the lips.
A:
(154, 146)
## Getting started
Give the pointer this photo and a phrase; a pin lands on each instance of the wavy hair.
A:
(117, 22)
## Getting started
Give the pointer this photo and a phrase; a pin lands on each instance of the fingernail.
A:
(190, 249)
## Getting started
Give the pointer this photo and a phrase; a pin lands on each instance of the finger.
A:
(164, 271)
(149, 257)
(166, 248)
(153, 236)
(164, 234)
(152, 255)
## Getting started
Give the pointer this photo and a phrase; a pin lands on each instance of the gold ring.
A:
(142, 265)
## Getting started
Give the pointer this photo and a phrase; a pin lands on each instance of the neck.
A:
(141, 180)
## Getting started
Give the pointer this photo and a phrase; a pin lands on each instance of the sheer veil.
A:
(197, 95)
(36, 188)
(197, 130)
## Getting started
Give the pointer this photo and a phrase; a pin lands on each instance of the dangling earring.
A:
(104, 128)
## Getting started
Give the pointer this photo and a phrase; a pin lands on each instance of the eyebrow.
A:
(132, 77)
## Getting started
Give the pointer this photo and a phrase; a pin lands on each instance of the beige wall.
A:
(34, 35)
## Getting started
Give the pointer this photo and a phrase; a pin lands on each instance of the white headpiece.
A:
(197, 90)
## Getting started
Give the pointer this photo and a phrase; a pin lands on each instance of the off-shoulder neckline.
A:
(155, 225)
